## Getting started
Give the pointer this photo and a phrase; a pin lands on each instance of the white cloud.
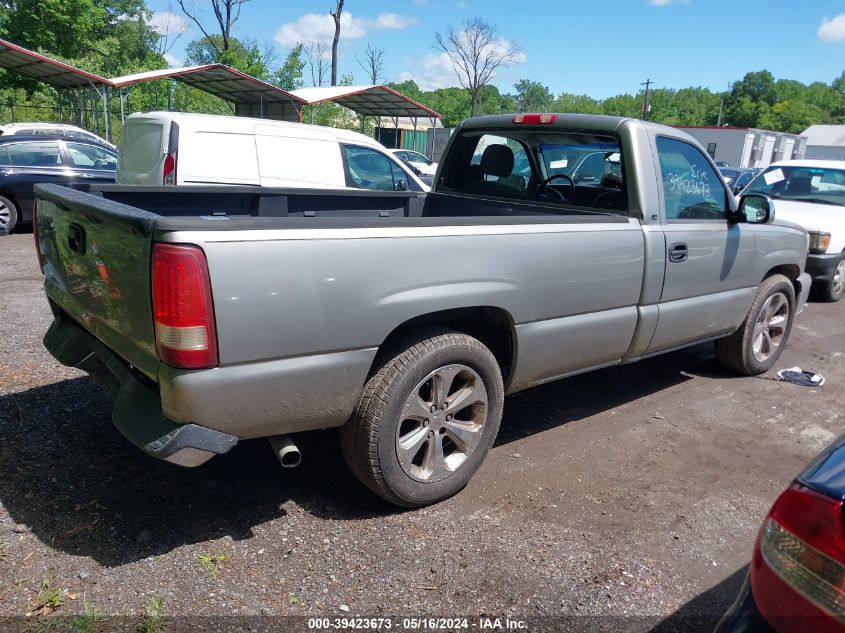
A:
(173, 61)
(434, 72)
(320, 27)
(393, 21)
(437, 69)
(833, 29)
(666, 3)
(167, 23)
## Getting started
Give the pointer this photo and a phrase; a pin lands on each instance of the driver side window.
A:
(692, 189)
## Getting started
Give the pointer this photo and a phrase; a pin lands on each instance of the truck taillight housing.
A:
(798, 568)
(170, 169)
(183, 311)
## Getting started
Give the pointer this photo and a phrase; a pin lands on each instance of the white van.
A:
(175, 148)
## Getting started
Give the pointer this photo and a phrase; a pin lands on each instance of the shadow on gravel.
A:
(702, 613)
(80, 487)
(556, 403)
(67, 474)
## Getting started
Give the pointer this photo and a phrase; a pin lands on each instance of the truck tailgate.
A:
(96, 261)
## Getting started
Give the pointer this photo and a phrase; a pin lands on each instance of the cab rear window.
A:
(567, 169)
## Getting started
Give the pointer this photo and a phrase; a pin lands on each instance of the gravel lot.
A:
(635, 491)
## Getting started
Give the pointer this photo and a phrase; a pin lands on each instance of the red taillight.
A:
(183, 311)
(533, 119)
(170, 169)
(798, 569)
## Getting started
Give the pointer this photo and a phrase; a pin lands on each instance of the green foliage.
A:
(289, 74)
(243, 55)
(49, 596)
(211, 563)
(532, 96)
(152, 623)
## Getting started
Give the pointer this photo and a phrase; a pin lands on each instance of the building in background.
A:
(748, 147)
(826, 142)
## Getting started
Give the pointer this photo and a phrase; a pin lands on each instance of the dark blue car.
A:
(27, 160)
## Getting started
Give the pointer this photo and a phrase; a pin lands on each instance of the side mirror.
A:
(756, 209)
(400, 185)
(738, 189)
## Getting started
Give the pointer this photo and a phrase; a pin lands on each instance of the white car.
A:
(416, 159)
(54, 129)
(175, 148)
(811, 193)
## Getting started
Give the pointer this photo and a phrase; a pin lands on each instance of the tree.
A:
(336, 17)
(315, 54)
(583, 104)
(289, 75)
(226, 12)
(795, 116)
(476, 52)
(243, 55)
(532, 96)
(373, 64)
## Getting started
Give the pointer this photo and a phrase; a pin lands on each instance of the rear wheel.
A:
(758, 343)
(8, 214)
(426, 419)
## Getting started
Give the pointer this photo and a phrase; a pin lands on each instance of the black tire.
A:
(737, 352)
(369, 440)
(833, 289)
(8, 215)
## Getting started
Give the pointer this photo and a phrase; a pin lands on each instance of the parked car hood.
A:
(812, 216)
(425, 168)
(827, 471)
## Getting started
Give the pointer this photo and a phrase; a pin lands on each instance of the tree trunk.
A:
(474, 97)
(336, 15)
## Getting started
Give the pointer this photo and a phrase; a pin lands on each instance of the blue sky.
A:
(596, 48)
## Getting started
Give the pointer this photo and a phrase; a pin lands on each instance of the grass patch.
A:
(211, 563)
(152, 623)
(90, 616)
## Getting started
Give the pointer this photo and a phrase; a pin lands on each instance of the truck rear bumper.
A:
(137, 406)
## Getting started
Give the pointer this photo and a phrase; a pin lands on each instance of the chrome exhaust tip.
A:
(287, 452)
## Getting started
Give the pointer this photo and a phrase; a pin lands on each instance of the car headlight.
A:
(819, 242)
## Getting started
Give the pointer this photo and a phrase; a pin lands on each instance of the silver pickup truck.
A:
(550, 245)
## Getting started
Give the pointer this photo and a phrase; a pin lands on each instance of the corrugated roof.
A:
(36, 66)
(367, 100)
(830, 135)
(221, 81)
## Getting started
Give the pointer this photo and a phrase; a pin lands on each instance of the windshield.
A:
(824, 185)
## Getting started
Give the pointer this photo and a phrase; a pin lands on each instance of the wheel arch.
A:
(493, 326)
(790, 271)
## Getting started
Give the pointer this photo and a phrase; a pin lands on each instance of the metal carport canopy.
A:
(221, 81)
(368, 101)
(36, 66)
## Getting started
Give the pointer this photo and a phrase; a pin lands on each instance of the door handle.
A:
(678, 252)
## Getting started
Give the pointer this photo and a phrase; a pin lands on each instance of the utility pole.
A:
(647, 83)
(721, 105)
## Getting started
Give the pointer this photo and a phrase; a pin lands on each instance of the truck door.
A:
(709, 259)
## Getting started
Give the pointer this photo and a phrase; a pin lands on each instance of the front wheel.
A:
(758, 343)
(834, 287)
(426, 418)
